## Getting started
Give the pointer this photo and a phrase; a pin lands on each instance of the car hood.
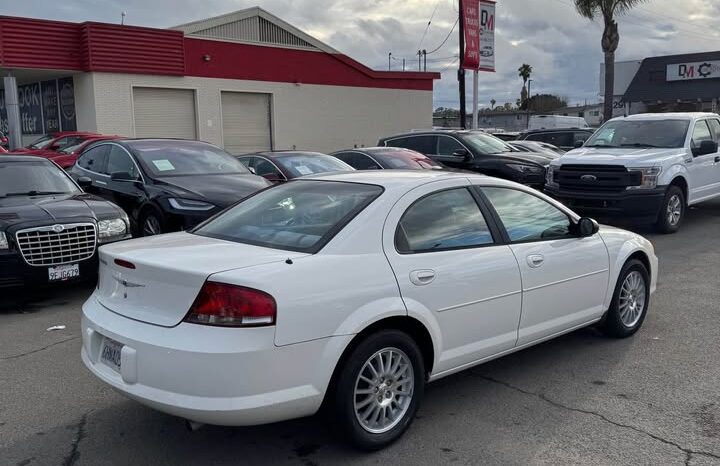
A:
(621, 156)
(21, 210)
(221, 190)
(540, 159)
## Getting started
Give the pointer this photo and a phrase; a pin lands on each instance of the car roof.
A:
(401, 178)
(22, 158)
(668, 116)
(283, 153)
(434, 132)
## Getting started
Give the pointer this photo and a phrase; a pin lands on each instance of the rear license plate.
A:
(110, 353)
(63, 272)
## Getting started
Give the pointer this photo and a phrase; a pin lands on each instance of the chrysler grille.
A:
(57, 244)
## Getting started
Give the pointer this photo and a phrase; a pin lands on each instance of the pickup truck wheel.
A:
(672, 210)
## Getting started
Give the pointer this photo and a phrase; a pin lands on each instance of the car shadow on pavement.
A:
(27, 300)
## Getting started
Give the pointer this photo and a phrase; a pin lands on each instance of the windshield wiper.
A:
(639, 145)
(33, 193)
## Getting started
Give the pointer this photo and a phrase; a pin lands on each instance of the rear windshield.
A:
(404, 159)
(296, 216)
(641, 134)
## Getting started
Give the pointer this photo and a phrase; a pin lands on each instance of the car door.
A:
(451, 268)
(704, 181)
(564, 277)
(92, 164)
(126, 191)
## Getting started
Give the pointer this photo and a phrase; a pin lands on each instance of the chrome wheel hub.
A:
(151, 226)
(674, 210)
(632, 299)
(383, 390)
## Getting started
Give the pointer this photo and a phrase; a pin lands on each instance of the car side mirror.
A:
(84, 182)
(579, 143)
(587, 227)
(462, 153)
(251, 169)
(706, 147)
(123, 176)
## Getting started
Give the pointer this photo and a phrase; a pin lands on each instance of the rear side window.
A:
(444, 220)
(95, 159)
(425, 144)
(715, 128)
(358, 161)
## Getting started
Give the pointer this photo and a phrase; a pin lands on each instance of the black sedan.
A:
(476, 151)
(49, 228)
(281, 166)
(166, 184)
(384, 158)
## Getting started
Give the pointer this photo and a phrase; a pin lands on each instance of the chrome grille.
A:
(57, 244)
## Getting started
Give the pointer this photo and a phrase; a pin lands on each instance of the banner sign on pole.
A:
(470, 12)
(487, 36)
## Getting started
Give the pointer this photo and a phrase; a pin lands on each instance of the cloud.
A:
(563, 48)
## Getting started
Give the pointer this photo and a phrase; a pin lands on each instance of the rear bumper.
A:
(211, 375)
(637, 206)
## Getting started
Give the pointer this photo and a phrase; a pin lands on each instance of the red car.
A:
(67, 157)
(55, 141)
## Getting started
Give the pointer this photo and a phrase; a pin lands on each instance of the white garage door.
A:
(246, 122)
(164, 113)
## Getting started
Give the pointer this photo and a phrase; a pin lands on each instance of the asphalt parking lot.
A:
(580, 399)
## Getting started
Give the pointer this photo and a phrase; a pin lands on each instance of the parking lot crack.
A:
(689, 453)
(74, 454)
(37, 350)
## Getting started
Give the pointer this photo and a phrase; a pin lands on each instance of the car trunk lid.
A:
(155, 280)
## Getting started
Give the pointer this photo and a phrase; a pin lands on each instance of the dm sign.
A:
(690, 71)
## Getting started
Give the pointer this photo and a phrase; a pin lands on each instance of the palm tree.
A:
(492, 103)
(524, 72)
(608, 9)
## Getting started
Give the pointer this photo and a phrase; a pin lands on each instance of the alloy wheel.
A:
(674, 210)
(151, 226)
(632, 299)
(383, 390)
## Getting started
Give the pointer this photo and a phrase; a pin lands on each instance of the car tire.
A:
(672, 211)
(393, 396)
(152, 222)
(630, 301)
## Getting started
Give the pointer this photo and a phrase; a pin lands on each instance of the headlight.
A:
(3, 241)
(648, 177)
(526, 169)
(187, 204)
(550, 176)
(112, 229)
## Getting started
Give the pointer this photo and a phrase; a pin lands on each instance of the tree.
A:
(543, 103)
(507, 106)
(524, 72)
(608, 9)
(492, 103)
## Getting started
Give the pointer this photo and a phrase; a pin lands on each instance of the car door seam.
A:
(565, 280)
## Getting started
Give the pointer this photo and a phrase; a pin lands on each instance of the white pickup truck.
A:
(648, 168)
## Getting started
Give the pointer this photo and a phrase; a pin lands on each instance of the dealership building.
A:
(672, 83)
(246, 81)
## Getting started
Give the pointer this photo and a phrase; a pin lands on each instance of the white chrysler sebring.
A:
(350, 291)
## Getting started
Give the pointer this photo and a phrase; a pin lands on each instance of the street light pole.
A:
(528, 104)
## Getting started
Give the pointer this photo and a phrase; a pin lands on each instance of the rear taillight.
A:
(232, 306)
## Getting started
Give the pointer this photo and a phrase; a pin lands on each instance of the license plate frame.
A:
(61, 273)
(110, 354)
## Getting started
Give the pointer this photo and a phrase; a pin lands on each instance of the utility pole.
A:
(424, 60)
(461, 70)
(419, 54)
(389, 58)
(403, 64)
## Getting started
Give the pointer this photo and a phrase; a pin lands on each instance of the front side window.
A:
(298, 216)
(359, 161)
(119, 162)
(266, 168)
(715, 128)
(33, 178)
(700, 133)
(425, 144)
(95, 159)
(448, 145)
(444, 220)
(527, 217)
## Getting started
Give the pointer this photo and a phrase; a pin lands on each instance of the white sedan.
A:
(353, 290)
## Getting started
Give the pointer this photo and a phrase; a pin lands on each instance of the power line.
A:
(446, 38)
(450, 64)
(428, 24)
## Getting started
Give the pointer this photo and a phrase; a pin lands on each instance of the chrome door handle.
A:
(422, 277)
(535, 260)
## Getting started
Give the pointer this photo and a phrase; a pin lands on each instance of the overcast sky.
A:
(563, 48)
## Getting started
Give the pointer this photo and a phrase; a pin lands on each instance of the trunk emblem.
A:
(126, 284)
(588, 178)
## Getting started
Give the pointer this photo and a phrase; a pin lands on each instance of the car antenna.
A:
(289, 261)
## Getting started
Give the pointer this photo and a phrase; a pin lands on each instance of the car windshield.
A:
(42, 142)
(487, 143)
(296, 216)
(181, 158)
(71, 149)
(307, 163)
(404, 159)
(33, 179)
(641, 134)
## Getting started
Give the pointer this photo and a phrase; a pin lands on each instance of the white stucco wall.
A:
(305, 116)
(85, 102)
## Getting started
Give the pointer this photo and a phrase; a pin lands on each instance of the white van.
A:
(649, 168)
(556, 121)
